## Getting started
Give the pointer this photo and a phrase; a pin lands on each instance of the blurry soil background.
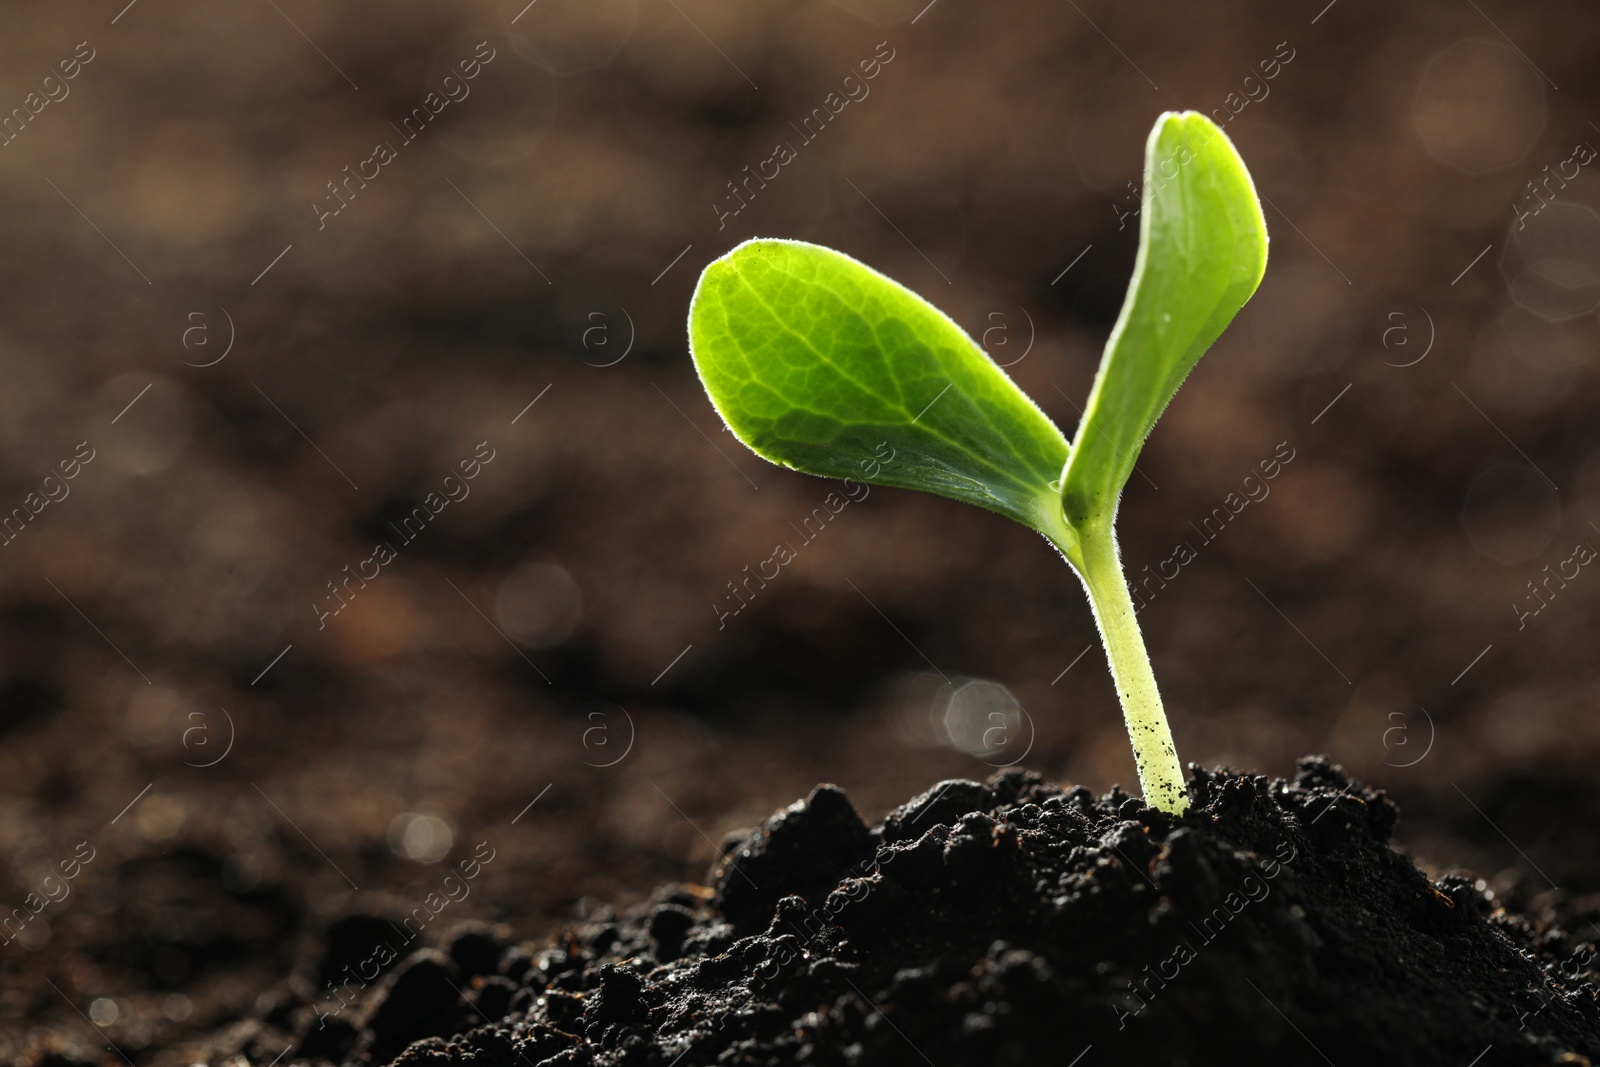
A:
(230, 741)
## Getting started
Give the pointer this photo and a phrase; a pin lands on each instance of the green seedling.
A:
(814, 360)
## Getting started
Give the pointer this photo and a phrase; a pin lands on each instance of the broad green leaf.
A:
(821, 364)
(1202, 251)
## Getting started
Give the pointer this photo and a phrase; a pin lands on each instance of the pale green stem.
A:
(1093, 553)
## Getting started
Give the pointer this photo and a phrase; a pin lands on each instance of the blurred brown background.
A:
(268, 389)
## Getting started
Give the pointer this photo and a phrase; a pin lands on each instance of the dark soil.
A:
(1007, 922)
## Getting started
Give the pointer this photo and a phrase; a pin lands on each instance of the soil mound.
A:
(1019, 922)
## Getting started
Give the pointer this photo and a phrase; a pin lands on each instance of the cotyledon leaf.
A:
(821, 364)
(1202, 252)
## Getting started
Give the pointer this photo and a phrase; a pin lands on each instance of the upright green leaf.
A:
(1202, 251)
(822, 364)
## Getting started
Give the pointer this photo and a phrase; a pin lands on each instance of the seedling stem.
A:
(1093, 554)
